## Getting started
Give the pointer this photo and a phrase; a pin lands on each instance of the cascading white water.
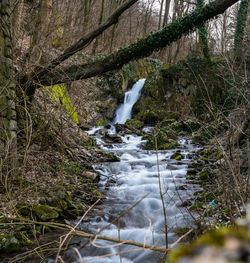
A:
(124, 111)
(137, 175)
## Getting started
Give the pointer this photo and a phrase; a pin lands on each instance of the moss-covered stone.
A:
(186, 125)
(112, 138)
(134, 124)
(9, 242)
(197, 206)
(45, 212)
(177, 156)
(205, 175)
(221, 242)
(112, 158)
(190, 177)
(164, 139)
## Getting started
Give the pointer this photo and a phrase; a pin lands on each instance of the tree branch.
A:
(142, 48)
(39, 72)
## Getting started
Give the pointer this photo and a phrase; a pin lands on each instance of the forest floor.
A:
(56, 181)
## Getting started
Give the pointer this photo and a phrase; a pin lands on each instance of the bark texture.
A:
(142, 48)
(39, 72)
(8, 124)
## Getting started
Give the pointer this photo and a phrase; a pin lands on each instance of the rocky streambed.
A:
(139, 176)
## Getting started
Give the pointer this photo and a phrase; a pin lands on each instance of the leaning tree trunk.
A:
(142, 48)
(8, 124)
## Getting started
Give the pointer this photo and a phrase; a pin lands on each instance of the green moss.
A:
(134, 124)
(207, 196)
(165, 138)
(197, 206)
(186, 125)
(205, 175)
(60, 94)
(182, 231)
(190, 177)
(177, 156)
(9, 242)
(112, 158)
(45, 212)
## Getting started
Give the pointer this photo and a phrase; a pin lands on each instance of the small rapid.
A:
(134, 177)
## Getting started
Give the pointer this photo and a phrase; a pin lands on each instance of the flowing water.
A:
(124, 111)
(136, 176)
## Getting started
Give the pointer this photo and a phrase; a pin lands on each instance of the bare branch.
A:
(142, 48)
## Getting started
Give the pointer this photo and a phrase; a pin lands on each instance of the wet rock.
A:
(112, 138)
(186, 203)
(177, 156)
(164, 139)
(119, 127)
(91, 175)
(134, 124)
(206, 174)
(186, 125)
(71, 255)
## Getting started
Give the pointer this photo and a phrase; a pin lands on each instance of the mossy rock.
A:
(207, 196)
(166, 140)
(197, 206)
(211, 154)
(197, 165)
(185, 125)
(177, 156)
(45, 212)
(205, 175)
(190, 177)
(192, 172)
(71, 214)
(112, 158)
(9, 242)
(216, 242)
(175, 115)
(112, 138)
(134, 124)
(171, 145)
(56, 202)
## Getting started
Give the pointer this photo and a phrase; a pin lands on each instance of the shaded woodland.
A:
(64, 68)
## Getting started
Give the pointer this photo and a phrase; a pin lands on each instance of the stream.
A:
(136, 177)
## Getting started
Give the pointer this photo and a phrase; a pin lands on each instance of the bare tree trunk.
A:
(160, 15)
(95, 45)
(17, 21)
(8, 124)
(40, 38)
(166, 13)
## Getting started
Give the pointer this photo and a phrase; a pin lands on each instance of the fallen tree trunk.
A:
(142, 48)
(84, 41)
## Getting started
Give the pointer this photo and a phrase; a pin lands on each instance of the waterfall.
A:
(124, 111)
